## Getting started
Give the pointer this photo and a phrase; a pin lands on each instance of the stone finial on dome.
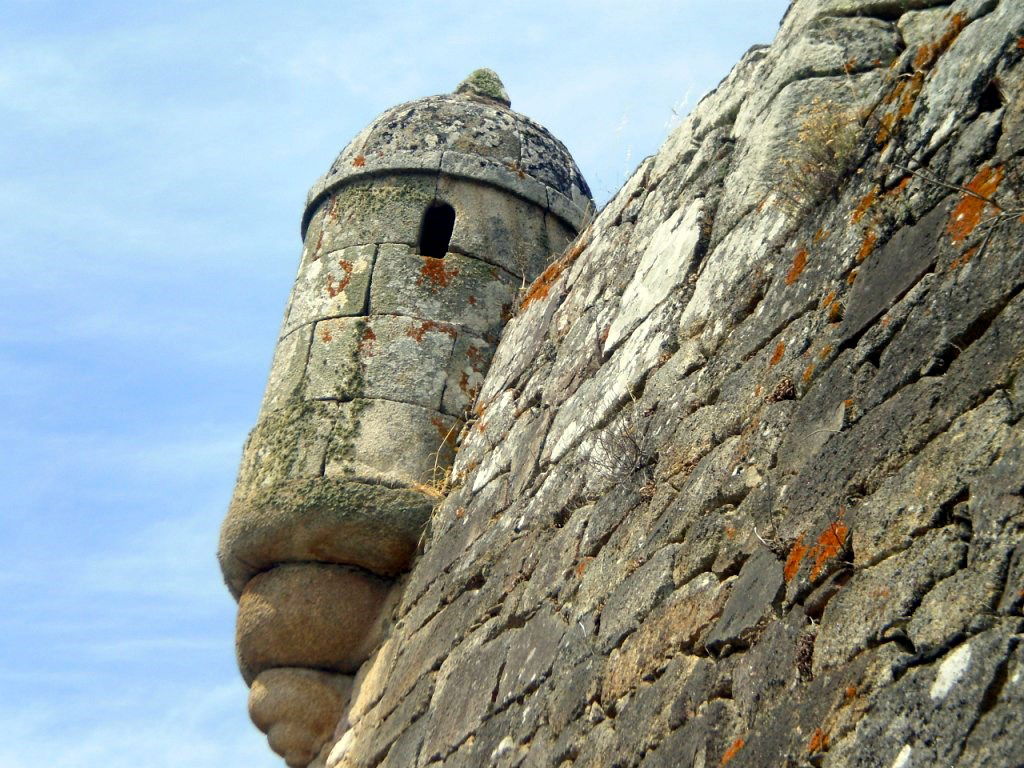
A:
(484, 84)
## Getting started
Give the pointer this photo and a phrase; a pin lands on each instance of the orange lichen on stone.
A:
(366, 339)
(730, 532)
(436, 272)
(964, 258)
(886, 124)
(852, 277)
(905, 92)
(862, 207)
(820, 235)
(830, 544)
(429, 325)
(799, 262)
(780, 350)
(542, 285)
(835, 312)
(476, 358)
(894, 94)
(582, 565)
(325, 336)
(731, 752)
(807, 374)
(796, 556)
(966, 216)
(825, 352)
(818, 743)
(900, 188)
(850, 691)
(334, 287)
(929, 53)
(910, 94)
(828, 299)
(1020, 43)
(359, 162)
(867, 246)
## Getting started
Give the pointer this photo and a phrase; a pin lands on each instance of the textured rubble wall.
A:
(745, 482)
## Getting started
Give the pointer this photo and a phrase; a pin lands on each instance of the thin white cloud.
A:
(202, 728)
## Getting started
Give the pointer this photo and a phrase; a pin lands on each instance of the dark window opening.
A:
(436, 231)
(991, 99)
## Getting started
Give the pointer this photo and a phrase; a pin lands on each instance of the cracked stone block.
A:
(532, 650)
(925, 717)
(751, 599)
(385, 209)
(496, 227)
(335, 285)
(877, 599)
(287, 369)
(363, 447)
(634, 598)
(674, 626)
(464, 694)
(456, 289)
(380, 357)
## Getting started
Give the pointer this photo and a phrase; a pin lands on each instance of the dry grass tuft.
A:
(820, 156)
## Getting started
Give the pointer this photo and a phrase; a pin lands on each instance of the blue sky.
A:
(154, 158)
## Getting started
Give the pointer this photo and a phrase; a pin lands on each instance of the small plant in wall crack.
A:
(624, 452)
(820, 156)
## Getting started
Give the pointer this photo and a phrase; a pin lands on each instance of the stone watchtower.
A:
(416, 244)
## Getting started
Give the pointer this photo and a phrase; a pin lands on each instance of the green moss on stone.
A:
(485, 83)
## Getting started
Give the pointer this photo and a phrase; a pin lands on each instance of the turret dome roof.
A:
(470, 133)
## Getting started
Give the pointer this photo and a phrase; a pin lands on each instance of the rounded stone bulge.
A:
(298, 710)
(308, 615)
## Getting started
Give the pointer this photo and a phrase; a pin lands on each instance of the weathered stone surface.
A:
(287, 369)
(743, 485)
(751, 599)
(387, 209)
(308, 615)
(677, 625)
(662, 269)
(297, 709)
(464, 695)
(924, 718)
(470, 359)
(363, 445)
(334, 285)
(456, 290)
(636, 596)
(532, 650)
(497, 228)
(381, 357)
(331, 521)
(470, 134)
(870, 609)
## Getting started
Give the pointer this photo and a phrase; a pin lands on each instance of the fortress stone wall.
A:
(744, 481)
